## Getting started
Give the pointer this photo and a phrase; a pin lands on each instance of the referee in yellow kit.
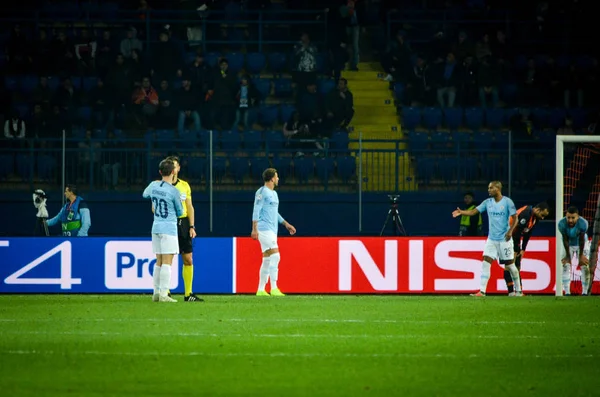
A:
(186, 231)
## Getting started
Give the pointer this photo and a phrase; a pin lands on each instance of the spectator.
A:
(14, 131)
(136, 68)
(447, 77)
(340, 106)
(396, 61)
(131, 42)
(38, 128)
(462, 47)
(120, 84)
(166, 111)
(63, 55)
(418, 88)
(350, 17)
(101, 108)
(483, 47)
(467, 78)
(299, 135)
(339, 57)
(305, 59)
(17, 50)
(222, 96)
(187, 105)
(201, 75)
(107, 49)
(166, 59)
(42, 94)
(85, 51)
(67, 97)
(247, 97)
(310, 108)
(567, 128)
(145, 100)
(41, 52)
(488, 80)
(437, 47)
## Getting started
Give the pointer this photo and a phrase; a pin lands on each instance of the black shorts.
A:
(183, 233)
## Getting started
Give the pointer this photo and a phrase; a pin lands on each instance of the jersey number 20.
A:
(160, 208)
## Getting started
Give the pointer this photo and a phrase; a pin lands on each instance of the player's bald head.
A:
(496, 184)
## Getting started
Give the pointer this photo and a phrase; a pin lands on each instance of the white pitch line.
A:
(284, 336)
(301, 320)
(285, 354)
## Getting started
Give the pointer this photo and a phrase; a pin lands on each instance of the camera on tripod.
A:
(393, 198)
(38, 197)
(394, 217)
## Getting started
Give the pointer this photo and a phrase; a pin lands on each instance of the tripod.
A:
(41, 227)
(397, 225)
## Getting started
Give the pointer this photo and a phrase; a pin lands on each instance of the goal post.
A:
(561, 140)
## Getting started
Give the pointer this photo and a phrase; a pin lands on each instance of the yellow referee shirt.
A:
(184, 192)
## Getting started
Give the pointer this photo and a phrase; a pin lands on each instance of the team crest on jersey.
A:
(501, 207)
(259, 197)
(523, 221)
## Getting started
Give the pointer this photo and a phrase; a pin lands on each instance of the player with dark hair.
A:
(186, 231)
(573, 229)
(527, 219)
(166, 206)
(498, 244)
(265, 225)
(74, 216)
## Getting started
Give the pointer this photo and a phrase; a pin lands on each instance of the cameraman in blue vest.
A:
(74, 216)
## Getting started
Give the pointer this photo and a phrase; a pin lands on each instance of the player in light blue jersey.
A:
(265, 225)
(166, 205)
(498, 245)
(573, 229)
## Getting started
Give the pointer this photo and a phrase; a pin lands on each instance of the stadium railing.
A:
(130, 164)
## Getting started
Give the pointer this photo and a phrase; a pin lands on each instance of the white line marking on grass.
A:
(283, 354)
(284, 336)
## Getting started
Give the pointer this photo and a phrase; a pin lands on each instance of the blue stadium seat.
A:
(418, 141)
(45, 167)
(556, 118)
(411, 118)
(267, 115)
(7, 164)
(461, 140)
(239, 168)
(339, 141)
(425, 170)
(263, 86)
(508, 92)
(286, 112)
(23, 109)
(468, 169)
(474, 118)
(99, 133)
(253, 140)
(541, 60)
(212, 59)
(230, 140)
(274, 140)
(584, 62)
(257, 166)
(453, 118)
(283, 88)
(563, 61)
(165, 139)
(190, 57)
(346, 168)
(53, 83)
(196, 167)
(521, 62)
(500, 141)
(277, 62)
(11, 83)
(399, 91)
(325, 86)
(236, 61)
(440, 140)
(540, 117)
(29, 83)
(88, 83)
(76, 81)
(447, 169)
(432, 117)
(23, 163)
(304, 168)
(219, 165)
(483, 141)
(579, 116)
(282, 165)
(494, 118)
(84, 113)
(256, 62)
(509, 114)
(325, 168)
(189, 139)
(322, 64)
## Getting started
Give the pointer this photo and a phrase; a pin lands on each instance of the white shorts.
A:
(574, 251)
(500, 250)
(267, 240)
(165, 244)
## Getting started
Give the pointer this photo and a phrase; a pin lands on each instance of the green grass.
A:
(299, 346)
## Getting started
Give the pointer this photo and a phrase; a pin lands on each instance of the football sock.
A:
(509, 283)
(485, 275)
(263, 274)
(156, 279)
(165, 279)
(585, 279)
(188, 277)
(566, 278)
(514, 274)
(274, 269)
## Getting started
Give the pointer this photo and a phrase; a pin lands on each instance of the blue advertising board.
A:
(106, 265)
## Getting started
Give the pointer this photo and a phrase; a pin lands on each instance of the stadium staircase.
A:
(375, 116)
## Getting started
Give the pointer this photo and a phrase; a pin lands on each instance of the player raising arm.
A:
(573, 229)
(167, 207)
(498, 244)
(527, 219)
(265, 225)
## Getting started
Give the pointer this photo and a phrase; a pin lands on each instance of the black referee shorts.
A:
(183, 234)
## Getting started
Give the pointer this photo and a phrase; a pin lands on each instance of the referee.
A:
(186, 231)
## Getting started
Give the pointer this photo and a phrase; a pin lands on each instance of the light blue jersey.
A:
(167, 207)
(499, 214)
(266, 210)
(581, 226)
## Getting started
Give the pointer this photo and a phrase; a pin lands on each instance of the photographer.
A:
(74, 216)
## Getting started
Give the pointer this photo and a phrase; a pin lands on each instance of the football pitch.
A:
(93, 345)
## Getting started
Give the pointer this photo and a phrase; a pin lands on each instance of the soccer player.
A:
(265, 220)
(166, 205)
(186, 231)
(573, 229)
(498, 244)
(527, 219)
